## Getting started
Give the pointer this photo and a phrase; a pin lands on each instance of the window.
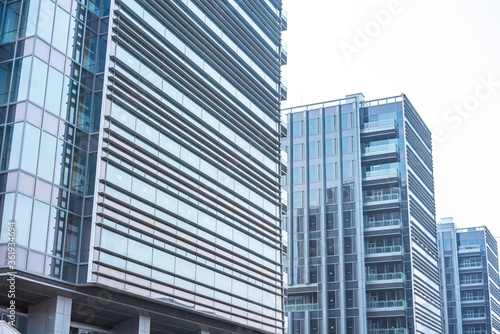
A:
(331, 220)
(349, 298)
(329, 123)
(313, 173)
(314, 197)
(348, 272)
(297, 152)
(346, 145)
(297, 175)
(349, 219)
(314, 248)
(332, 246)
(297, 129)
(297, 199)
(329, 171)
(313, 274)
(348, 245)
(314, 221)
(331, 195)
(345, 120)
(348, 193)
(313, 126)
(347, 169)
(313, 149)
(329, 147)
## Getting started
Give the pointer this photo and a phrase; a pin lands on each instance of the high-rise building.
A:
(140, 165)
(468, 262)
(362, 252)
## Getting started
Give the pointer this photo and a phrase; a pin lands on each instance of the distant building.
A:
(362, 252)
(469, 279)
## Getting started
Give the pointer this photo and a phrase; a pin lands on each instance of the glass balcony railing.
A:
(383, 250)
(381, 172)
(387, 304)
(471, 281)
(383, 223)
(470, 265)
(384, 124)
(473, 299)
(380, 148)
(385, 277)
(473, 315)
(388, 331)
(480, 331)
(381, 198)
(300, 307)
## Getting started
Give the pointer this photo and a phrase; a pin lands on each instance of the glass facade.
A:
(51, 82)
(362, 255)
(140, 150)
(469, 279)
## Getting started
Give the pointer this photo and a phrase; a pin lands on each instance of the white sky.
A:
(436, 52)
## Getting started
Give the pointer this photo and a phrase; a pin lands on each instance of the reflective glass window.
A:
(38, 81)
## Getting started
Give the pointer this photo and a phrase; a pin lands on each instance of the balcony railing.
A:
(388, 331)
(473, 315)
(470, 265)
(300, 307)
(383, 250)
(394, 172)
(383, 223)
(385, 277)
(387, 304)
(381, 198)
(473, 299)
(380, 148)
(481, 331)
(385, 124)
(471, 281)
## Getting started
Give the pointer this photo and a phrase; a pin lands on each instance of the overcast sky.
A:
(444, 55)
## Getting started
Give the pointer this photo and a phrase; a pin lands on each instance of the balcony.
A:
(381, 176)
(383, 224)
(284, 54)
(469, 249)
(470, 265)
(481, 331)
(472, 299)
(284, 127)
(388, 331)
(379, 128)
(284, 163)
(380, 152)
(377, 278)
(386, 304)
(386, 201)
(284, 20)
(473, 316)
(383, 251)
(301, 307)
(283, 90)
(472, 281)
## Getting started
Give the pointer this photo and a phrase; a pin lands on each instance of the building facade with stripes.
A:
(362, 251)
(141, 164)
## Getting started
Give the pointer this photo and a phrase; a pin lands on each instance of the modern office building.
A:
(140, 164)
(362, 251)
(468, 262)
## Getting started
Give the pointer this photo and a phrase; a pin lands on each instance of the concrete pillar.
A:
(52, 316)
(139, 325)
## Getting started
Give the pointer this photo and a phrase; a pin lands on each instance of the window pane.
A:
(38, 81)
(30, 148)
